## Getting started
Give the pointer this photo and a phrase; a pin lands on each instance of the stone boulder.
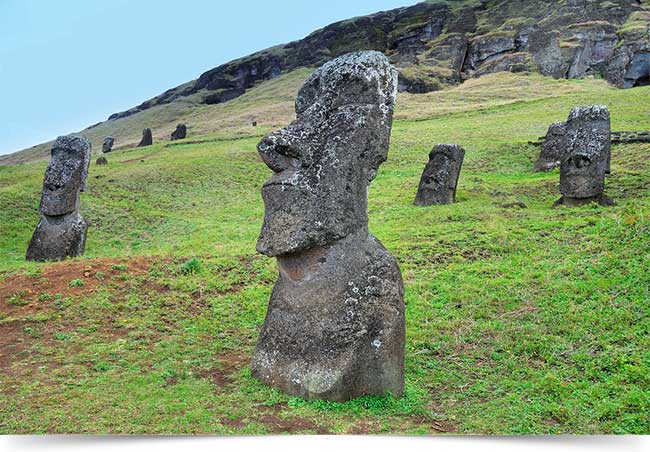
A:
(180, 132)
(334, 328)
(107, 145)
(62, 231)
(440, 176)
(553, 148)
(101, 161)
(587, 158)
(147, 138)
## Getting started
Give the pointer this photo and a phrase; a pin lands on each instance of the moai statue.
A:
(101, 161)
(107, 145)
(553, 148)
(440, 176)
(62, 230)
(334, 328)
(587, 157)
(180, 132)
(147, 139)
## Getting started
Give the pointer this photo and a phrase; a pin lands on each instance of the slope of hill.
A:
(519, 320)
(434, 45)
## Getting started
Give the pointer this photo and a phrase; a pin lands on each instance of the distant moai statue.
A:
(254, 123)
(107, 145)
(61, 233)
(147, 138)
(180, 132)
(553, 148)
(440, 176)
(334, 328)
(587, 157)
(101, 161)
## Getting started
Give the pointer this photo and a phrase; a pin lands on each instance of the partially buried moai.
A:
(553, 148)
(440, 176)
(62, 230)
(334, 328)
(147, 138)
(107, 144)
(587, 157)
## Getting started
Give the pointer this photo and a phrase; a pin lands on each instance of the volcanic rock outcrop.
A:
(334, 328)
(587, 157)
(147, 138)
(553, 148)
(61, 233)
(179, 133)
(440, 176)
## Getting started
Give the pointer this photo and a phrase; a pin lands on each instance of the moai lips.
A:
(61, 232)
(587, 157)
(335, 323)
(440, 176)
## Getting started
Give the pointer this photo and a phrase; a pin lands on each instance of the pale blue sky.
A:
(67, 64)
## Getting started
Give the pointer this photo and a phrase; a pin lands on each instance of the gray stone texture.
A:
(440, 176)
(334, 328)
(587, 157)
(61, 232)
(553, 148)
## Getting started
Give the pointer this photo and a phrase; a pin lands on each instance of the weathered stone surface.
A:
(638, 71)
(57, 238)
(587, 157)
(334, 328)
(179, 133)
(61, 232)
(107, 145)
(440, 176)
(553, 148)
(147, 138)
(101, 161)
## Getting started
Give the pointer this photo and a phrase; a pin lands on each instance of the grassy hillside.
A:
(519, 320)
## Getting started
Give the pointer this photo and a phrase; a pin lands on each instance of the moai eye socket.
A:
(580, 161)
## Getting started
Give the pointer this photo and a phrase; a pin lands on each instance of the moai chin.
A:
(61, 233)
(334, 328)
(440, 176)
(553, 148)
(587, 157)
(147, 138)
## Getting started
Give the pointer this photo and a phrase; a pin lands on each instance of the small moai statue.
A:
(180, 132)
(147, 138)
(254, 123)
(61, 233)
(101, 161)
(553, 148)
(107, 145)
(440, 176)
(334, 327)
(587, 157)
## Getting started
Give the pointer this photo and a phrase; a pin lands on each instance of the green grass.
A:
(519, 321)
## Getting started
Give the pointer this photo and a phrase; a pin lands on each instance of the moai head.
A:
(553, 148)
(440, 176)
(583, 168)
(65, 176)
(324, 161)
(107, 145)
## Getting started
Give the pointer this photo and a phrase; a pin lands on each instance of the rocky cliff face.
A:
(434, 44)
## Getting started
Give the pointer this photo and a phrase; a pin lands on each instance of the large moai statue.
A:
(62, 230)
(587, 157)
(107, 145)
(334, 328)
(440, 176)
(180, 132)
(553, 148)
(147, 138)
